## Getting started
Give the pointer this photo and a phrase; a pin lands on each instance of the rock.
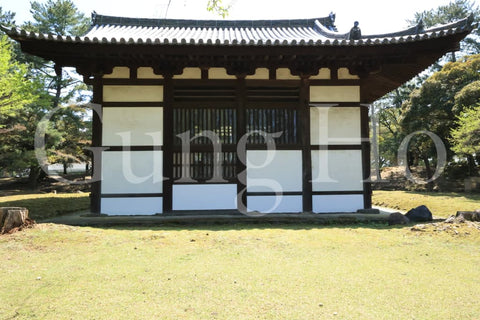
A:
(460, 219)
(450, 219)
(469, 215)
(419, 227)
(419, 214)
(13, 217)
(397, 218)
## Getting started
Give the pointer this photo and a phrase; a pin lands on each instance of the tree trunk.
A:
(376, 157)
(65, 166)
(58, 86)
(471, 165)
(453, 57)
(428, 169)
(33, 177)
(14, 218)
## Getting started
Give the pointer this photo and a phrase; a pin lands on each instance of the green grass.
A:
(441, 204)
(47, 205)
(239, 272)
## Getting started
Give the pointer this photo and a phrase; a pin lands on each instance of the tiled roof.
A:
(303, 32)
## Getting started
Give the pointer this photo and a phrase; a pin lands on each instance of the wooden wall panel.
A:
(132, 172)
(334, 94)
(118, 73)
(121, 93)
(140, 122)
(345, 172)
(335, 125)
(147, 73)
(282, 167)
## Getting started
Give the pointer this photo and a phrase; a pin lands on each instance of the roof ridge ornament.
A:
(331, 23)
(420, 27)
(94, 18)
(355, 32)
(470, 19)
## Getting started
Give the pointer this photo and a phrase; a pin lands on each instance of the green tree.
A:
(15, 89)
(53, 87)
(64, 85)
(466, 136)
(58, 17)
(436, 104)
(455, 10)
(7, 18)
(69, 135)
(18, 93)
(389, 111)
(217, 7)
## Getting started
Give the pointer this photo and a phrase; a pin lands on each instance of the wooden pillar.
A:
(304, 120)
(365, 133)
(241, 169)
(96, 188)
(168, 144)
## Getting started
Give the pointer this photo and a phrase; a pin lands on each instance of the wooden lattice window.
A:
(221, 121)
(191, 125)
(273, 120)
(201, 166)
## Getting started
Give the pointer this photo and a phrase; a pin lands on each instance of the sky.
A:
(374, 16)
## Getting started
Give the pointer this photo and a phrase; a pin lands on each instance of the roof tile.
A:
(240, 32)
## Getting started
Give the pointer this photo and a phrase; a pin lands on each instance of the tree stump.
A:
(14, 218)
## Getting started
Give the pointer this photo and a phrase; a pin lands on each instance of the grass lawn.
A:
(240, 272)
(441, 204)
(47, 205)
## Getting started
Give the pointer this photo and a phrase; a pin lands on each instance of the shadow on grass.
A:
(238, 223)
(212, 227)
(467, 195)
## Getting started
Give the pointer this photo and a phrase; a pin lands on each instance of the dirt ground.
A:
(454, 229)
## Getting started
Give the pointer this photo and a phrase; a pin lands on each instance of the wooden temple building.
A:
(267, 116)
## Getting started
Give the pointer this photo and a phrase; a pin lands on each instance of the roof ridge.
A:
(98, 19)
(465, 23)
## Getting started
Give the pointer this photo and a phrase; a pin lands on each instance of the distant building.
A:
(158, 78)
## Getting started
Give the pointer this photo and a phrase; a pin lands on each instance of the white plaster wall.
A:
(260, 74)
(189, 73)
(204, 197)
(337, 203)
(274, 170)
(334, 94)
(118, 73)
(323, 74)
(285, 74)
(337, 170)
(140, 123)
(273, 204)
(344, 74)
(132, 172)
(147, 73)
(335, 125)
(119, 93)
(131, 206)
(219, 73)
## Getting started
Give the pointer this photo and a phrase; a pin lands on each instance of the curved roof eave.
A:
(314, 35)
